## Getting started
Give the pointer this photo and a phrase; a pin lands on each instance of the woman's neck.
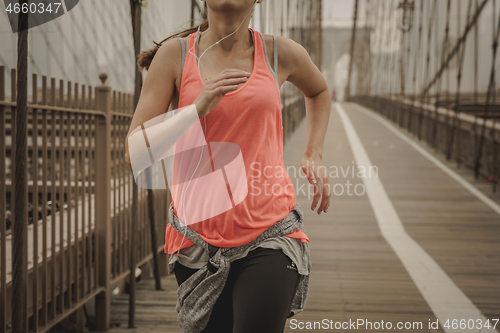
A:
(223, 24)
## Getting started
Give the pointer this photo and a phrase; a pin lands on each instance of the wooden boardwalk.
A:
(356, 274)
(155, 310)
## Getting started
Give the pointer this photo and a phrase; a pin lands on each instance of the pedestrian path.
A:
(409, 246)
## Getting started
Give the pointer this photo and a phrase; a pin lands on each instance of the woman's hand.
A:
(213, 91)
(317, 175)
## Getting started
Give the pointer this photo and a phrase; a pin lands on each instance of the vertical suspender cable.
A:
(415, 88)
(489, 92)
(20, 218)
(493, 130)
(378, 76)
(135, 8)
(423, 95)
(456, 119)
(444, 50)
(435, 119)
(351, 52)
(386, 65)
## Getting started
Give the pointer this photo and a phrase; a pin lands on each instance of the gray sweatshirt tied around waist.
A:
(197, 295)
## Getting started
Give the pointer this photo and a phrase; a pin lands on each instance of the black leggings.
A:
(257, 295)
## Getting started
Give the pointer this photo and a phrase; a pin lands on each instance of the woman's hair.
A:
(145, 57)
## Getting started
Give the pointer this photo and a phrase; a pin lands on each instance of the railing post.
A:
(102, 203)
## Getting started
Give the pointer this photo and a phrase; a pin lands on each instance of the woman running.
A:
(245, 269)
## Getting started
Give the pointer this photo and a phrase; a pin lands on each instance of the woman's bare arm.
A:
(299, 69)
(158, 87)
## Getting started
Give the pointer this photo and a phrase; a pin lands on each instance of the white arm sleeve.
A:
(161, 132)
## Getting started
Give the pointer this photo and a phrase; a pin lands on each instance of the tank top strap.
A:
(184, 54)
(268, 63)
(191, 43)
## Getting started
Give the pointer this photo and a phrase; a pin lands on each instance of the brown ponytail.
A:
(145, 57)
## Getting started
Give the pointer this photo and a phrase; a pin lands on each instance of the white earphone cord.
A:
(204, 119)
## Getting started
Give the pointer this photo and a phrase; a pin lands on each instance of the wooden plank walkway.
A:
(355, 272)
(155, 310)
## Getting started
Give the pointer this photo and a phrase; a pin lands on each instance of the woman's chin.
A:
(228, 5)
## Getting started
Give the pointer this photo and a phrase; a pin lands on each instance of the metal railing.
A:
(455, 134)
(80, 199)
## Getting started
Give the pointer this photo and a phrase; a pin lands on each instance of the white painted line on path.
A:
(445, 299)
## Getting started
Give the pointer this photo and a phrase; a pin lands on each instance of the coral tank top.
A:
(249, 117)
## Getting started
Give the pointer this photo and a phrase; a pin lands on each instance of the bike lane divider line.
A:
(445, 299)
